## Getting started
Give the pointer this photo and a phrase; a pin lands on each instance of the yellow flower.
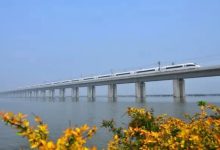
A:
(116, 137)
(43, 128)
(194, 138)
(26, 123)
(50, 145)
(84, 127)
(38, 119)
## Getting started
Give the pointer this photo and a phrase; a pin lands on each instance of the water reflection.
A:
(179, 99)
(74, 99)
(140, 100)
(91, 99)
(62, 99)
(112, 99)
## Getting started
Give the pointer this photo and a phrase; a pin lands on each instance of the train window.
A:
(143, 71)
(120, 74)
(174, 67)
(103, 76)
(75, 80)
(87, 78)
(190, 65)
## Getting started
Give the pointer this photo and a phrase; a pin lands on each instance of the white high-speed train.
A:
(148, 70)
(180, 66)
(162, 69)
(127, 73)
(169, 68)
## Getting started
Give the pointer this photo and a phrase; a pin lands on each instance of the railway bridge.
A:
(140, 80)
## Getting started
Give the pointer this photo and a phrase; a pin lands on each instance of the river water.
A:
(60, 114)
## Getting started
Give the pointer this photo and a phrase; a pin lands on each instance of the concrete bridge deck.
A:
(177, 76)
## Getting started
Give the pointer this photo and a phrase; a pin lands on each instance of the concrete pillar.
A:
(42, 93)
(28, 93)
(62, 93)
(48, 93)
(140, 90)
(18, 94)
(179, 88)
(91, 91)
(51, 93)
(31, 94)
(75, 92)
(112, 91)
(22, 94)
(25, 94)
(36, 93)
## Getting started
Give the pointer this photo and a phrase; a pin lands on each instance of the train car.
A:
(123, 73)
(88, 78)
(55, 82)
(149, 70)
(192, 65)
(75, 80)
(65, 81)
(104, 76)
(180, 67)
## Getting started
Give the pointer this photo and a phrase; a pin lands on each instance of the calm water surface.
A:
(58, 114)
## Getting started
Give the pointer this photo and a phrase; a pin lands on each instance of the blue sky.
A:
(54, 40)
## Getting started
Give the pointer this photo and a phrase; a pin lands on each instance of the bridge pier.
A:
(25, 94)
(140, 90)
(36, 93)
(91, 91)
(51, 93)
(112, 91)
(17, 94)
(31, 94)
(179, 88)
(75, 92)
(22, 94)
(43, 93)
(62, 93)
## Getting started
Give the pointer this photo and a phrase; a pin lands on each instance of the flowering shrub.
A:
(200, 131)
(145, 131)
(72, 138)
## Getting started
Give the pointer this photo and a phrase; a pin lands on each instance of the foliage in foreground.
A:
(145, 131)
(200, 131)
(72, 138)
